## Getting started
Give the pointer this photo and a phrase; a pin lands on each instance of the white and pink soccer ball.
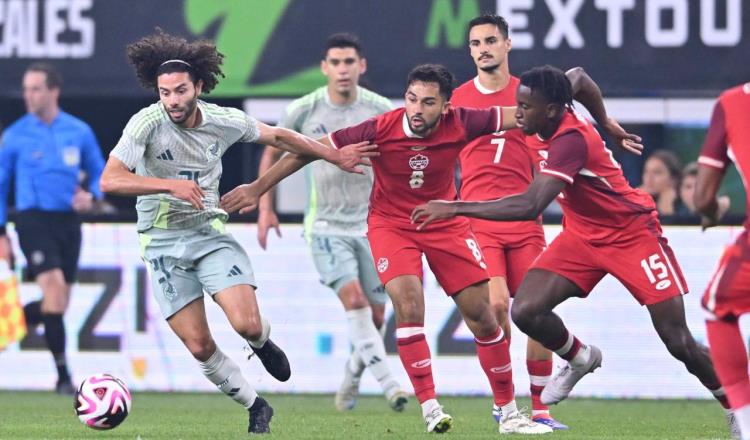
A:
(102, 401)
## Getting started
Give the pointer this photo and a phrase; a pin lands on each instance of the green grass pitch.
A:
(37, 415)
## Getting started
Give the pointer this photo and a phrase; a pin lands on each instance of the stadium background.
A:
(661, 64)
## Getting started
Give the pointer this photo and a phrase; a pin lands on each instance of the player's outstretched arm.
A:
(587, 92)
(526, 206)
(267, 218)
(348, 159)
(117, 179)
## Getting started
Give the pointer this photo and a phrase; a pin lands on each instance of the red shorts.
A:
(452, 253)
(644, 264)
(510, 255)
(728, 293)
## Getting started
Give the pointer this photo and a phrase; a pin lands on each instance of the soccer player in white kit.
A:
(175, 147)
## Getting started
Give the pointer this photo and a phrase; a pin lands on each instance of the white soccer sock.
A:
(369, 346)
(355, 364)
(428, 405)
(742, 415)
(264, 334)
(508, 408)
(226, 375)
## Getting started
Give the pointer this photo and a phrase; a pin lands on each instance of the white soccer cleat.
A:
(437, 421)
(558, 388)
(346, 396)
(517, 422)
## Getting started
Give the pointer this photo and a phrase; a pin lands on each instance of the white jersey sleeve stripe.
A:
(562, 176)
(333, 144)
(705, 160)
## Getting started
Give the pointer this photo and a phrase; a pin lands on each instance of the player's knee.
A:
(521, 314)
(500, 310)
(201, 347)
(249, 328)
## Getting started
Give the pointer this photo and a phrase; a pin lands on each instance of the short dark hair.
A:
(489, 18)
(551, 82)
(433, 73)
(53, 79)
(200, 59)
(343, 40)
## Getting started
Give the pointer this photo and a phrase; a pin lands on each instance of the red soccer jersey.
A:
(412, 170)
(728, 136)
(495, 165)
(598, 203)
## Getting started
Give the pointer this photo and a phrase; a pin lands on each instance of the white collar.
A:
(482, 89)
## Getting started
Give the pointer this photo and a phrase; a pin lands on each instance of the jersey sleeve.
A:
(132, 144)
(479, 122)
(567, 156)
(8, 155)
(714, 152)
(362, 132)
(93, 162)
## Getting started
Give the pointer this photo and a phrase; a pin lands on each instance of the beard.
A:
(187, 111)
(490, 69)
(426, 127)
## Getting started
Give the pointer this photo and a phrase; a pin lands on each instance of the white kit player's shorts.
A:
(341, 259)
(184, 263)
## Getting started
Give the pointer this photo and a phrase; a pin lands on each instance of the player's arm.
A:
(348, 159)
(267, 218)
(712, 165)
(245, 198)
(8, 156)
(587, 92)
(360, 137)
(527, 206)
(117, 179)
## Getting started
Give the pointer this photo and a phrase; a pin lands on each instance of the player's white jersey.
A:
(156, 147)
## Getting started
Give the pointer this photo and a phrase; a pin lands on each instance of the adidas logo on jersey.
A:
(234, 272)
(167, 155)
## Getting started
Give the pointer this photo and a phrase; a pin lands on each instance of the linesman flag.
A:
(12, 321)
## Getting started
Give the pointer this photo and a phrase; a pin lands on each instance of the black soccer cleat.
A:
(260, 417)
(65, 388)
(274, 360)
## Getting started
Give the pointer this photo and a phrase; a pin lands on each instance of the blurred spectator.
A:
(661, 179)
(687, 189)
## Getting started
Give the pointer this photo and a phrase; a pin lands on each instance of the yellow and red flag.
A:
(12, 321)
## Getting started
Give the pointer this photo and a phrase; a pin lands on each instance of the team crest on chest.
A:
(213, 150)
(419, 162)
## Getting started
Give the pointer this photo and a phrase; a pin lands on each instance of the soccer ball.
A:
(102, 401)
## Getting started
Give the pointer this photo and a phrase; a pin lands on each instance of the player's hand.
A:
(628, 141)
(431, 211)
(6, 250)
(83, 201)
(352, 155)
(189, 191)
(267, 219)
(708, 222)
(244, 198)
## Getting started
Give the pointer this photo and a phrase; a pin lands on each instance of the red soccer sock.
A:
(730, 362)
(494, 357)
(539, 374)
(415, 356)
(567, 346)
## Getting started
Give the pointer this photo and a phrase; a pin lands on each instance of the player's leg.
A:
(729, 356)
(519, 256)
(540, 292)
(493, 354)
(51, 246)
(225, 272)
(190, 325)
(668, 318)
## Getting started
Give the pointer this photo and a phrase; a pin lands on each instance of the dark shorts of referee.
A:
(50, 240)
